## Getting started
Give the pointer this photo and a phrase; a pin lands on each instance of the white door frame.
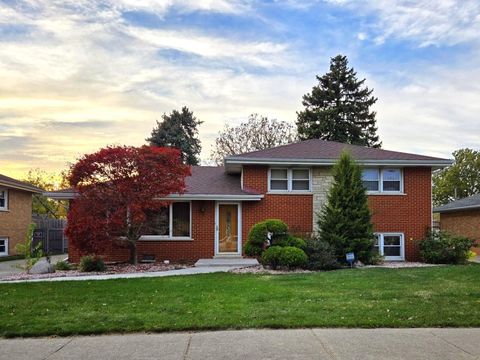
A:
(239, 223)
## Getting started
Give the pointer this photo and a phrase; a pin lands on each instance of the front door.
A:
(228, 239)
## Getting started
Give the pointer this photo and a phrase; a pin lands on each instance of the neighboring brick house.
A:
(221, 204)
(15, 213)
(462, 217)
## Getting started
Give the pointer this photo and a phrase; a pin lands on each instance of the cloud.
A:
(78, 75)
(441, 22)
(160, 7)
(432, 113)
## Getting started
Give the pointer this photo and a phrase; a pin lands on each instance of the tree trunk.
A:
(133, 253)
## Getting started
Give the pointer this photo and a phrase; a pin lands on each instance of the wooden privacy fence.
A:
(51, 233)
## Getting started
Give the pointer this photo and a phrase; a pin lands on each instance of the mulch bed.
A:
(111, 269)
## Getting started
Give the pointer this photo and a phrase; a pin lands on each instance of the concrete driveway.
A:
(319, 344)
(11, 267)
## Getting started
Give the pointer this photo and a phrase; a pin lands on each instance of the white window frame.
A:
(170, 236)
(289, 180)
(381, 245)
(4, 239)
(4, 208)
(380, 182)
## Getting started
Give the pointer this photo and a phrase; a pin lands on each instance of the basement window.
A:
(390, 245)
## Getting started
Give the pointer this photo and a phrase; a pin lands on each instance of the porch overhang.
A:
(220, 197)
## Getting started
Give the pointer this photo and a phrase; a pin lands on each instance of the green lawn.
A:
(421, 297)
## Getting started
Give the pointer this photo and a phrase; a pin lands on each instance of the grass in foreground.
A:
(421, 297)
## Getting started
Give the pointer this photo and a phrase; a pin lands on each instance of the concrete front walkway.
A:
(186, 271)
(364, 344)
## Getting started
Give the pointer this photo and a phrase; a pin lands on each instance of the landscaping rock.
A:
(42, 267)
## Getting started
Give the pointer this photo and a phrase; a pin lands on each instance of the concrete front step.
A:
(227, 261)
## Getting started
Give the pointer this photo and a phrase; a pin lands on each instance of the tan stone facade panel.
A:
(15, 221)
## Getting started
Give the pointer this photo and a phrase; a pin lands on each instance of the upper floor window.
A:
(382, 180)
(289, 180)
(3, 199)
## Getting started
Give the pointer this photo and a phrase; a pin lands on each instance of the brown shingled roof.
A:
(9, 182)
(205, 180)
(329, 150)
(213, 180)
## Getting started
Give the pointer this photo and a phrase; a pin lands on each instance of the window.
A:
(382, 180)
(289, 180)
(391, 179)
(181, 219)
(300, 179)
(3, 199)
(278, 179)
(3, 247)
(389, 245)
(172, 221)
(371, 179)
(158, 222)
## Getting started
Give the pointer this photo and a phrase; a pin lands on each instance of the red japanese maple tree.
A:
(116, 189)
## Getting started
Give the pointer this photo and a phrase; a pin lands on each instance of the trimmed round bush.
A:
(92, 263)
(292, 257)
(259, 234)
(271, 256)
(296, 242)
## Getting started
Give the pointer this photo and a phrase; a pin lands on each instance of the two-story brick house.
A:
(15, 212)
(221, 204)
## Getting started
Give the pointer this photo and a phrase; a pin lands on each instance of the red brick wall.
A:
(410, 214)
(202, 245)
(294, 210)
(465, 223)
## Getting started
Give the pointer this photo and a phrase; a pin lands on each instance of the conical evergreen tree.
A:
(338, 108)
(345, 220)
(179, 130)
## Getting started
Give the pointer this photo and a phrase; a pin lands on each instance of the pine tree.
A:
(345, 220)
(338, 108)
(179, 130)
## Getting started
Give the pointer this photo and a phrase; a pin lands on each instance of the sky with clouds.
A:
(78, 75)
